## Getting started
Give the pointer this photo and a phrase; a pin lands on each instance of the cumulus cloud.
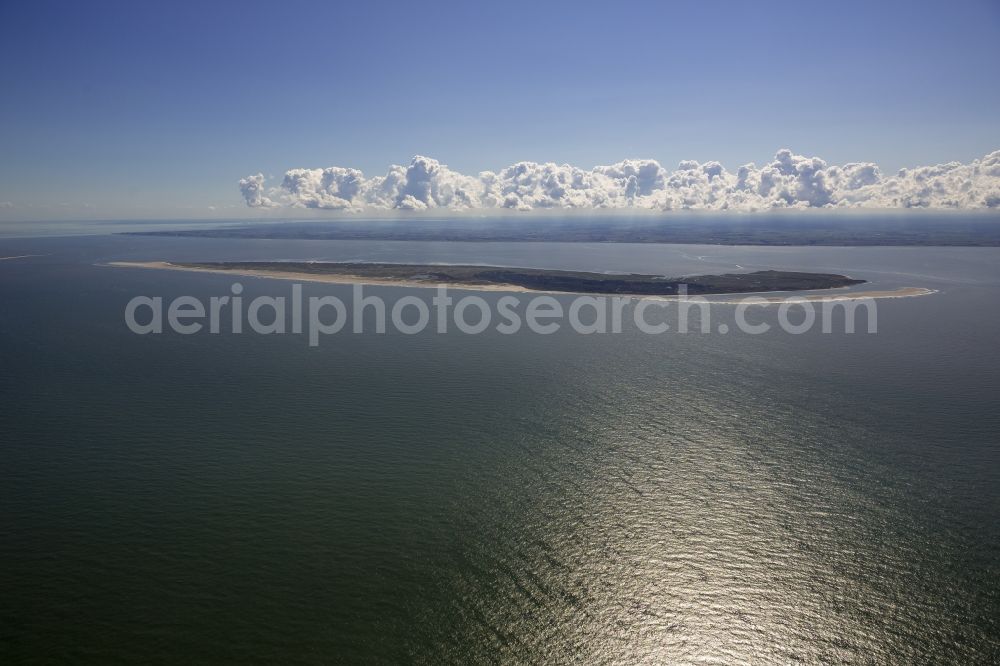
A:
(787, 181)
(252, 189)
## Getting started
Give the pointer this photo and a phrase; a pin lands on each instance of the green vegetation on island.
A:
(537, 279)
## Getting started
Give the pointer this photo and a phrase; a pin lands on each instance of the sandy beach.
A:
(313, 277)
(904, 292)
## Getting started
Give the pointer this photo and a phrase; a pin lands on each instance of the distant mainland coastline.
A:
(982, 230)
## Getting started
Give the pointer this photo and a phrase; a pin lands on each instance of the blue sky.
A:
(158, 109)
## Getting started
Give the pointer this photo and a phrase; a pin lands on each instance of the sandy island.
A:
(904, 292)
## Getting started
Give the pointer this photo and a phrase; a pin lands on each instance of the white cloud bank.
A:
(789, 181)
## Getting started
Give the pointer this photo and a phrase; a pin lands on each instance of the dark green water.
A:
(477, 499)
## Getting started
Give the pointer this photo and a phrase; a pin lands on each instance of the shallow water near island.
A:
(452, 498)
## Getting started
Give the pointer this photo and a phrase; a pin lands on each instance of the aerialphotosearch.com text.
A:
(542, 314)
